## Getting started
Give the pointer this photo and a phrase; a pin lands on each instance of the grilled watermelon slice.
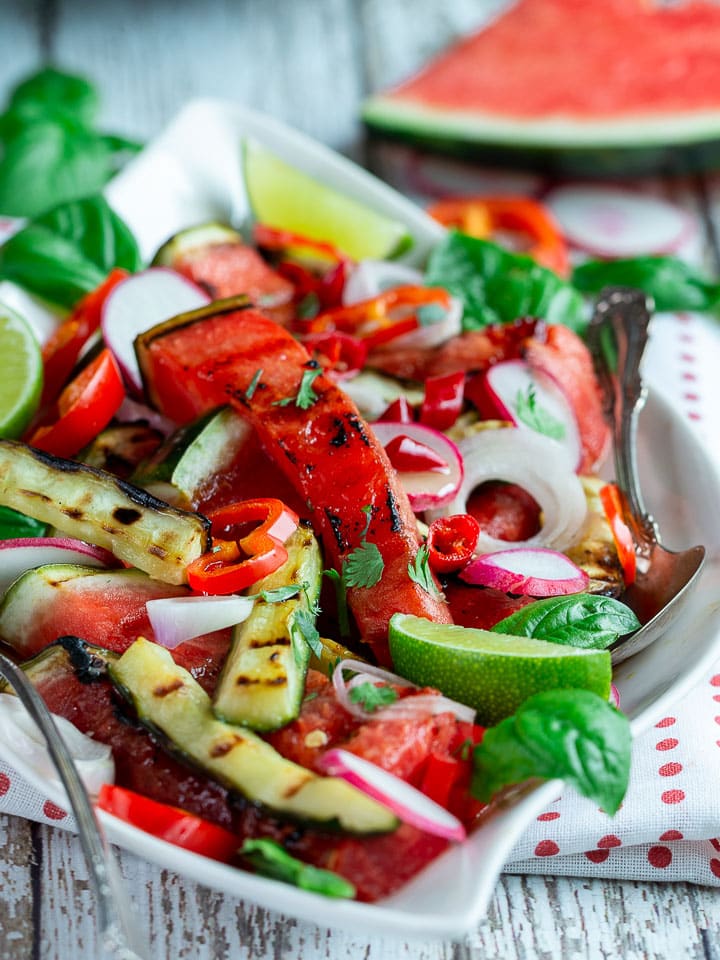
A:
(574, 86)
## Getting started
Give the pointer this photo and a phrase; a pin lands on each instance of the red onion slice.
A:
(177, 619)
(614, 696)
(139, 303)
(428, 489)
(533, 573)
(22, 554)
(409, 804)
(530, 460)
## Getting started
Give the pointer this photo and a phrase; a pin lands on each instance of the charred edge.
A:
(259, 644)
(157, 551)
(288, 453)
(395, 519)
(73, 513)
(126, 516)
(163, 691)
(235, 394)
(357, 425)
(312, 365)
(243, 681)
(336, 525)
(87, 666)
(341, 437)
(222, 749)
(217, 308)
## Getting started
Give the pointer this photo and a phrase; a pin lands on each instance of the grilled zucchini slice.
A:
(95, 506)
(171, 704)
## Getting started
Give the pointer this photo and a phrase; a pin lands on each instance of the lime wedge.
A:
(282, 197)
(492, 672)
(20, 373)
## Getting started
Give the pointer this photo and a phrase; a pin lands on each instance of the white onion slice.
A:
(139, 303)
(415, 707)
(409, 804)
(177, 619)
(26, 553)
(370, 278)
(22, 745)
(427, 489)
(430, 335)
(537, 464)
(530, 572)
(508, 384)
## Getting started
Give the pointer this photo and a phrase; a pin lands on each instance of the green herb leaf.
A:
(309, 306)
(278, 594)
(673, 284)
(269, 859)
(364, 566)
(370, 697)
(536, 417)
(306, 396)
(571, 734)
(498, 287)
(14, 525)
(579, 620)
(68, 251)
(338, 582)
(429, 314)
(304, 626)
(420, 573)
(252, 386)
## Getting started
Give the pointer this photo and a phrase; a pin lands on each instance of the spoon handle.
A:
(617, 337)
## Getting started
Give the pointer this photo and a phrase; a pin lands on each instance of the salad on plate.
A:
(312, 540)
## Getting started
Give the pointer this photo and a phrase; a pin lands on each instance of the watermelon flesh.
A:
(573, 72)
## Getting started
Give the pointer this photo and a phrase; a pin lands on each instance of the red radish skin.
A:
(531, 572)
(432, 488)
(19, 555)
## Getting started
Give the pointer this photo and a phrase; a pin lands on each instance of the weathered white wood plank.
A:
(16, 915)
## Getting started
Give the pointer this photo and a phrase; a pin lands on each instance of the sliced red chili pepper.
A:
(270, 238)
(527, 222)
(62, 349)
(439, 777)
(451, 542)
(234, 564)
(612, 503)
(443, 400)
(340, 354)
(411, 456)
(85, 406)
(171, 824)
(399, 411)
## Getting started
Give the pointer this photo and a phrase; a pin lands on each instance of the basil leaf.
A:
(498, 287)
(50, 161)
(673, 284)
(68, 251)
(50, 90)
(14, 525)
(270, 859)
(571, 734)
(579, 620)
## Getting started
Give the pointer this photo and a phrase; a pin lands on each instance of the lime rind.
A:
(285, 198)
(22, 373)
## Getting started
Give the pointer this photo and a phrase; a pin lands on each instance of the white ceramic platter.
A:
(192, 173)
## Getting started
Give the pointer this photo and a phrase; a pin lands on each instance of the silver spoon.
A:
(119, 929)
(617, 336)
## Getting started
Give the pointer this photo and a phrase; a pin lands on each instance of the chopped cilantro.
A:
(252, 387)
(309, 306)
(310, 696)
(338, 582)
(304, 626)
(419, 572)
(429, 314)
(278, 594)
(536, 417)
(364, 566)
(371, 697)
(306, 396)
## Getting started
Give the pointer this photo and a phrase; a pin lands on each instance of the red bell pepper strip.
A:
(270, 238)
(451, 542)
(326, 450)
(85, 407)
(411, 456)
(443, 400)
(233, 565)
(399, 411)
(62, 349)
(171, 824)
(340, 354)
(612, 503)
(527, 222)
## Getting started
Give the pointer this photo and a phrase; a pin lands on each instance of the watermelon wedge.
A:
(572, 85)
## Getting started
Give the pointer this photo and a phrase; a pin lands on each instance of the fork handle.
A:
(617, 337)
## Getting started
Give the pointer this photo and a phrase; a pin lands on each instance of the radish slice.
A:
(532, 573)
(427, 489)
(609, 222)
(370, 278)
(530, 460)
(614, 696)
(532, 401)
(429, 334)
(26, 553)
(177, 619)
(22, 745)
(132, 410)
(409, 804)
(139, 303)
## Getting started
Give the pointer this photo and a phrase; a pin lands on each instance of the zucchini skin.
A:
(88, 662)
(175, 708)
(263, 680)
(95, 506)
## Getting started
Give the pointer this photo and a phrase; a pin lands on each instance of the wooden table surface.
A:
(309, 62)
